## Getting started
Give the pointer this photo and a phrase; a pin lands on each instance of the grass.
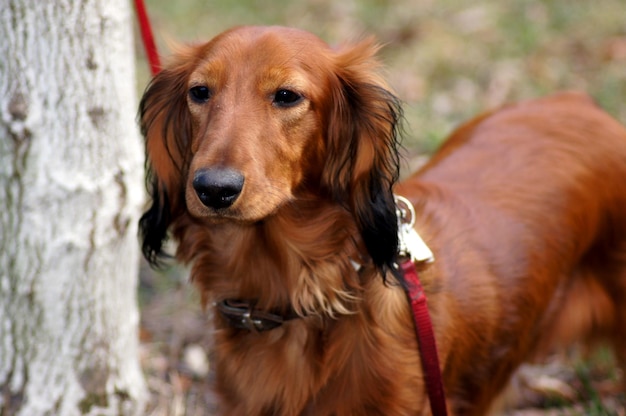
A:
(448, 60)
(600, 365)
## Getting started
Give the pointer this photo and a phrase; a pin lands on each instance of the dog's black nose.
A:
(218, 187)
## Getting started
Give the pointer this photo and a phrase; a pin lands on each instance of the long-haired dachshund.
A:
(273, 163)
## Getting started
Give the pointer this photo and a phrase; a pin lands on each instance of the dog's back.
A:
(525, 209)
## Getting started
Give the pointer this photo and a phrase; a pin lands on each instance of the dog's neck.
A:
(301, 259)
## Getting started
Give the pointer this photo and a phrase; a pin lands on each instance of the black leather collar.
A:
(241, 314)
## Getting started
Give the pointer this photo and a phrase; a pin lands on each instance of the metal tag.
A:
(414, 245)
(410, 243)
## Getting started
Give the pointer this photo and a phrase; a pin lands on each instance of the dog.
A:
(273, 160)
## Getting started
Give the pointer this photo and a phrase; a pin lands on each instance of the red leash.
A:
(411, 249)
(147, 37)
(425, 339)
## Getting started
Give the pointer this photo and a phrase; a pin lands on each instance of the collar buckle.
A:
(241, 314)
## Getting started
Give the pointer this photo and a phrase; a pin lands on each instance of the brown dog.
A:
(272, 159)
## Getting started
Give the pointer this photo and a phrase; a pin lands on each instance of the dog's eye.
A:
(200, 94)
(286, 98)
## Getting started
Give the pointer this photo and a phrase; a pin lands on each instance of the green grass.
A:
(448, 59)
(600, 365)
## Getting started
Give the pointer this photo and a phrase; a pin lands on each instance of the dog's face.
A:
(239, 126)
(255, 99)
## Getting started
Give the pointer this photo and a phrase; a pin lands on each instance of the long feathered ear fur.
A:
(362, 151)
(166, 126)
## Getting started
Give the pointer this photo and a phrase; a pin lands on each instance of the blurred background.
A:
(447, 60)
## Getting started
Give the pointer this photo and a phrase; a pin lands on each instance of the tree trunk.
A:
(70, 192)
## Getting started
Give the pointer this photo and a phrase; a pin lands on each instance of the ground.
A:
(448, 60)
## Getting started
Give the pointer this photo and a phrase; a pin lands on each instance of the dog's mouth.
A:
(198, 209)
(225, 208)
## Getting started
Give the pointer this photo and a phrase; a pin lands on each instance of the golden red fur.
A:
(272, 158)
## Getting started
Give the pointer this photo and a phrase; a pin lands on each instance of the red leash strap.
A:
(147, 37)
(425, 338)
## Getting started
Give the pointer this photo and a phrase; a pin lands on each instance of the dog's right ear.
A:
(165, 123)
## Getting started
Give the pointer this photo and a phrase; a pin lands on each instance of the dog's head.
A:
(237, 127)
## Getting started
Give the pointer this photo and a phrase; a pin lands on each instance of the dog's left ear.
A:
(362, 161)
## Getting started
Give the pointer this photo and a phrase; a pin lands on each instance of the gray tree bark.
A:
(71, 168)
